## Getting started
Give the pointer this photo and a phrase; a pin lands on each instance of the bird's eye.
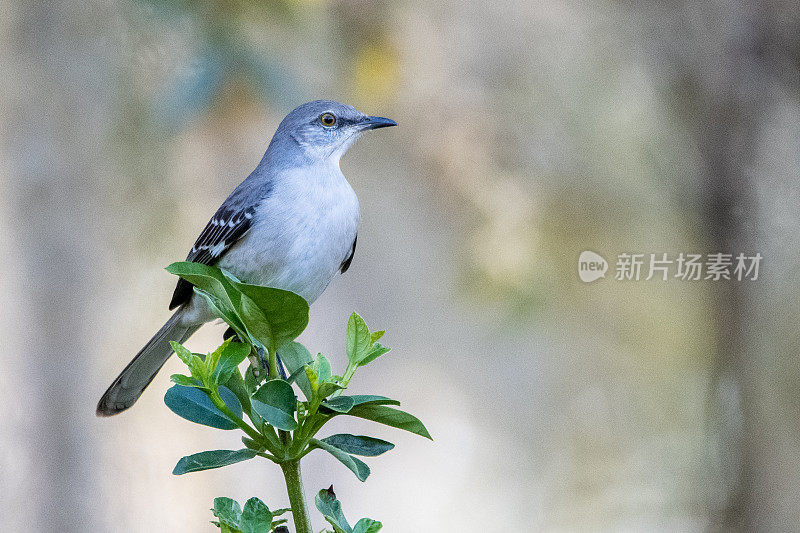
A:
(327, 119)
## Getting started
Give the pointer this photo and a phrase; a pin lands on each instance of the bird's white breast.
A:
(301, 234)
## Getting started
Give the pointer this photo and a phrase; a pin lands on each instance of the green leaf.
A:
(390, 417)
(228, 512)
(340, 404)
(359, 468)
(331, 509)
(282, 315)
(313, 380)
(195, 364)
(213, 358)
(211, 283)
(295, 356)
(237, 386)
(253, 445)
(229, 360)
(376, 335)
(359, 444)
(256, 322)
(256, 517)
(275, 402)
(185, 381)
(211, 459)
(293, 377)
(321, 367)
(182, 352)
(330, 386)
(372, 399)
(250, 380)
(194, 405)
(375, 351)
(315, 375)
(358, 338)
(227, 314)
(367, 525)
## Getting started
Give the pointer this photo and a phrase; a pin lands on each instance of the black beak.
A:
(373, 123)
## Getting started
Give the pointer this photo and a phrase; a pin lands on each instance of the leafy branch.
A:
(278, 426)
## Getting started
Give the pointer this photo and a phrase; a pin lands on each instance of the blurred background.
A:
(529, 132)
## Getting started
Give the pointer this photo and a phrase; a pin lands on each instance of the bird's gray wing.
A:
(346, 263)
(228, 225)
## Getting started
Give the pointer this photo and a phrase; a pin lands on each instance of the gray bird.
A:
(292, 224)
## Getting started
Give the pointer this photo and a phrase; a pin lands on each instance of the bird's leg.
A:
(265, 363)
(263, 359)
(259, 363)
(281, 370)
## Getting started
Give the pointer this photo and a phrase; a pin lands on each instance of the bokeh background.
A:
(529, 132)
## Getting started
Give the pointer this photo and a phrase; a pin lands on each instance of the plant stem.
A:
(269, 456)
(244, 426)
(297, 499)
(348, 375)
(273, 364)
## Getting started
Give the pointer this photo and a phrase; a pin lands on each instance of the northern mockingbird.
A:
(291, 224)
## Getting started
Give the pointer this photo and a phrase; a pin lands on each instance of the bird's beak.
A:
(372, 123)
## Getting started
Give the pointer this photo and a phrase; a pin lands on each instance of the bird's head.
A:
(325, 129)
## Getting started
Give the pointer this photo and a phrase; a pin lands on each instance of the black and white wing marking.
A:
(224, 230)
(346, 263)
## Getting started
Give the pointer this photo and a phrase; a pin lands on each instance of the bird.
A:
(291, 224)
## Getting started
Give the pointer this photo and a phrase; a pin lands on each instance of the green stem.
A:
(272, 438)
(244, 426)
(273, 364)
(348, 375)
(297, 499)
(269, 456)
(284, 436)
(308, 450)
(299, 446)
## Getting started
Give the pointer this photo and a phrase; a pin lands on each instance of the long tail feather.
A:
(132, 381)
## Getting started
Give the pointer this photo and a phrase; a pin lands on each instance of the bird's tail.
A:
(132, 381)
